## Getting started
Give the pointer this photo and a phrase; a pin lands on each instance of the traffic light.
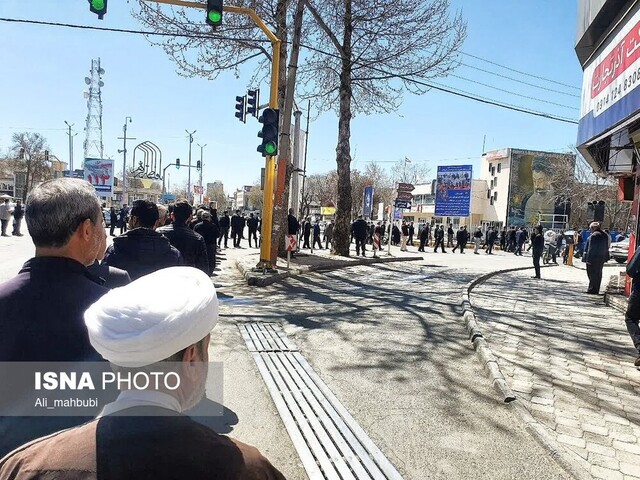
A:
(253, 102)
(214, 12)
(178, 163)
(241, 103)
(198, 165)
(269, 132)
(99, 7)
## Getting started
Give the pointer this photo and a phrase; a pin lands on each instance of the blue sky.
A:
(43, 70)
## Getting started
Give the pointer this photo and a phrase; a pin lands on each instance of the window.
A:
(499, 167)
(495, 181)
(488, 193)
(490, 166)
(493, 172)
(491, 201)
(495, 195)
(491, 185)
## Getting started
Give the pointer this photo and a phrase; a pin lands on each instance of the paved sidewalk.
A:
(569, 359)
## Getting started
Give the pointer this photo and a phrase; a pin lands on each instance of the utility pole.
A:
(295, 179)
(70, 149)
(124, 138)
(201, 169)
(189, 195)
(306, 144)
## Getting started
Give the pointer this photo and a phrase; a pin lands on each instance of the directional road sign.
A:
(406, 196)
(406, 187)
(402, 204)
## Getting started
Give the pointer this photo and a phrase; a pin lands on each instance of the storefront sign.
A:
(610, 81)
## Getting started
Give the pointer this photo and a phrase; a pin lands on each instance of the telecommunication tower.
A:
(93, 147)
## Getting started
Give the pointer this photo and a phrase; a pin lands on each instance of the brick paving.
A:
(569, 359)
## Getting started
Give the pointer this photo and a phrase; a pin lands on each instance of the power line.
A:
(433, 85)
(521, 72)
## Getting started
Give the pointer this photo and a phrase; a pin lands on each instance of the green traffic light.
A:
(97, 4)
(270, 148)
(214, 16)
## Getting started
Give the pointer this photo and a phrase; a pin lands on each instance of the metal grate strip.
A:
(329, 441)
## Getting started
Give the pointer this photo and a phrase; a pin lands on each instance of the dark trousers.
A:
(224, 234)
(236, 236)
(254, 234)
(536, 264)
(360, 242)
(489, 247)
(439, 243)
(112, 227)
(16, 225)
(421, 247)
(519, 249)
(306, 240)
(511, 246)
(211, 257)
(458, 246)
(317, 241)
(594, 272)
(4, 226)
(632, 318)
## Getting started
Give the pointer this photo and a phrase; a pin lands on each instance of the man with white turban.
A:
(143, 434)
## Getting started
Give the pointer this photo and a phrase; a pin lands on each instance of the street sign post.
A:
(290, 244)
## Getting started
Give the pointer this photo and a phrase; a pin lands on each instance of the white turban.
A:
(153, 317)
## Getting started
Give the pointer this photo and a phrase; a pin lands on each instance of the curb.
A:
(255, 279)
(490, 365)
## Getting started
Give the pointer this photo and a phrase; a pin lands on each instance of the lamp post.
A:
(70, 149)
(201, 169)
(189, 195)
(124, 160)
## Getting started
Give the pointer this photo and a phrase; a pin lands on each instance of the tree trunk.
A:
(343, 150)
(285, 166)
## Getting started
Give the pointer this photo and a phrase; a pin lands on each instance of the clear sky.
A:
(43, 70)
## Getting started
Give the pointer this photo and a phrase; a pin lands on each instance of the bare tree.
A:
(406, 171)
(30, 150)
(216, 194)
(377, 48)
(255, 197)
(383, 184)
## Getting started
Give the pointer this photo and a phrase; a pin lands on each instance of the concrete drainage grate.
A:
(329, 441)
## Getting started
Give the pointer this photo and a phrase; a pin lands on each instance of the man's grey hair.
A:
(56, 208)
(163, 212)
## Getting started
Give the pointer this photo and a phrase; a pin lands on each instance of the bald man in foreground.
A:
(143, 434)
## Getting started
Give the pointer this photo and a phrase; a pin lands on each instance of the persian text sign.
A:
(99, 173)
(453, 191)
(610, 81)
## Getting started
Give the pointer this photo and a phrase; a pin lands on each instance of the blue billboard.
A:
(453, 191)
(367, 202)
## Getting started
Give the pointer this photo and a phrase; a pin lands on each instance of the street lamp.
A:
(124, 160)
(189, 197)
(201, 169)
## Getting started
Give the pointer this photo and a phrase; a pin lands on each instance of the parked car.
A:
(619, 251)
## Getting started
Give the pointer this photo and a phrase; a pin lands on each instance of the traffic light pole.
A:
(270, 167)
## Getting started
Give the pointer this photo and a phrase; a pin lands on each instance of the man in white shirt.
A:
(6, 209)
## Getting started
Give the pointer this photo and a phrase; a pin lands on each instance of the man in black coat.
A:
(18, 215)
(596, 255)
(537, 242)
(292, 223)
(236, 228)
(439, 239)
(209, 232)
(42, 308)
(123, 218)
(462, 237)
(224, 223)
(252, 224)
(424, 236)
(189, 243)
(142, 250)
(492, 236)
(511, 240)
(359, 231)
(306, 232)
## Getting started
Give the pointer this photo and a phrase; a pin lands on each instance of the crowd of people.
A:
(10, 210)
(56, 309)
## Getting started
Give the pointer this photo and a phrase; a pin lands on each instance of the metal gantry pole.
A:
(70, 149)
(124, 160)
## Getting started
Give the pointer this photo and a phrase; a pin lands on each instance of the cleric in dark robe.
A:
(143, 434)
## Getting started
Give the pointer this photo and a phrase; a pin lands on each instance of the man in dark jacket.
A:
(292, 223)
(224, 224)
(306, 232)
(209, 232)
(450, 236)
(520, 238)
(596, 255)
(18, 215)
(424, 237)
(511, 240)
(359, 231)
(462, 237)
(538, 249)
(632, 315)
(492, 236)
(439, 239)
(189, 243)
(123, 218)
(42, 308)
(236, 228)
(142, 250)
(252, 224)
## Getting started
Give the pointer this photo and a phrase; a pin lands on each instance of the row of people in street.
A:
(56, 310)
